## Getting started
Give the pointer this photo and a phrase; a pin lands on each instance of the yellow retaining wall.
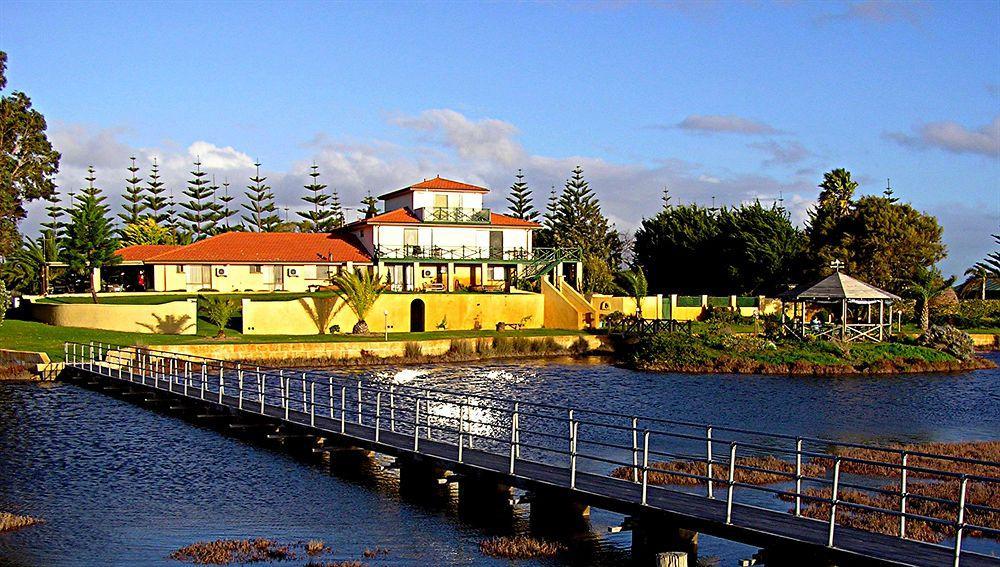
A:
(292, 352)
(652, 305)
(986, 341)
(560, 312)
(443, 311)
(174, 318)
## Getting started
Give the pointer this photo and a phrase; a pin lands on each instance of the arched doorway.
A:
(417, 316)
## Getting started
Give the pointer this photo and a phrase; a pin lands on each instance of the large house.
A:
(432, 236)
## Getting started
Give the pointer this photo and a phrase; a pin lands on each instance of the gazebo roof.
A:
(838, 286)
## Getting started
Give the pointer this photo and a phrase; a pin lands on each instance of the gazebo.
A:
(857, 311)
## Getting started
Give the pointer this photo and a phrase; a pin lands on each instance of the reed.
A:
(373, 553)
(10, 522)
(978, 494)
(520, 547)
(15, 372)
(315, 547)
(666, 472)
(979, 450)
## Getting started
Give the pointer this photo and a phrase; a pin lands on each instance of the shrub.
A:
(412, 350)
(461, 348)
(522, 345)
(950, 340)
(484, 345)
(578, 347)
(503, 346)
(220, 310)
(678, 349)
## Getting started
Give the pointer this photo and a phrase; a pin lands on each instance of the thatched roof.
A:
(838, 286)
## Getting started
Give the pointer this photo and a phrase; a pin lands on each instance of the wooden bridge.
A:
(563, 456)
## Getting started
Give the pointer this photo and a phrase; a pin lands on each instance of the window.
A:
(324, 272)
(256, 269)
(180, 268)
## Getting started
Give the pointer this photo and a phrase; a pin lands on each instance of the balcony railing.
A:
(470, 253)
(454, 215)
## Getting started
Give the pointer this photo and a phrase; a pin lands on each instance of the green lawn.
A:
(33, 336)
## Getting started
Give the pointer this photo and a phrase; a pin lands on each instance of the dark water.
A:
(121, 485)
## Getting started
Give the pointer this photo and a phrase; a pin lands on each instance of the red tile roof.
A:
(143, 252)
(266, 247)
(504, 220)
(437, 183)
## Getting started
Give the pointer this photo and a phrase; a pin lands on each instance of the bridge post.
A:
(556, 511)
(485, 499)
(423, 480)
(654, 533)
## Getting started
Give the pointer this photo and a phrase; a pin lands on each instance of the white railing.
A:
(580, 440)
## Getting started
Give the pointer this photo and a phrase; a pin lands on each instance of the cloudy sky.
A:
(736, 101)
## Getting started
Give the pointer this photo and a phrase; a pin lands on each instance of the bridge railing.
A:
(832, 476)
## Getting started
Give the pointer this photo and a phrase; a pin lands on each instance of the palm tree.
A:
(926, 284)
(977, 272)
(359, 290)
(635, 285)
(29, 264)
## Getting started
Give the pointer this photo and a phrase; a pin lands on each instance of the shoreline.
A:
(803, 368)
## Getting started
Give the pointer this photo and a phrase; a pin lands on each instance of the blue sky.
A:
(733, 100)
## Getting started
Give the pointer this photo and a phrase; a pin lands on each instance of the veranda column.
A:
(450, 274)
(579, 275)
(416, 276)
(843, 320)
(482, 270)
(881, 318)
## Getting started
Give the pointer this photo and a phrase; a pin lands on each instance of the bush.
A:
(580, 346)
(503, 346)
(484, 345)
(412, 350)
(946, 338)
(719, 314)
(461, 348)
(220, 310)
(678, 349)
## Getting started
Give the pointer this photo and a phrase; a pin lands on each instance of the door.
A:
(496, 244)
(279, 277)
(417, 316)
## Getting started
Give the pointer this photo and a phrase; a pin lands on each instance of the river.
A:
(121, 485)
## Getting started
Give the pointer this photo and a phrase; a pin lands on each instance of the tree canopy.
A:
(28, 163)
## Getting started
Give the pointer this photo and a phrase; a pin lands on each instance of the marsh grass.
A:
(226, 551)
(978, 450)
(315, 547)
(10, 522)
(978, 493)
(665, 472)
(15, 372)
(520, 547)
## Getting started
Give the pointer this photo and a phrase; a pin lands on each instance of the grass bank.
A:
(727, 353)
(39, 337)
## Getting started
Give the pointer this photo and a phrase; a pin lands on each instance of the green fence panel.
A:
(688, 301)
(718, 302)
(747, 301)
(667, 313)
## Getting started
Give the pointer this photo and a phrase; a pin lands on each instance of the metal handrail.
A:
(176, 370)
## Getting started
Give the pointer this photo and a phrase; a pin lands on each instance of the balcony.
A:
(475, 253)
(453, 215)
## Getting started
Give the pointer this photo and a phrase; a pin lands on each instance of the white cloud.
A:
(214, 157)
(953, 137)
(715, 123)
(782, 153)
